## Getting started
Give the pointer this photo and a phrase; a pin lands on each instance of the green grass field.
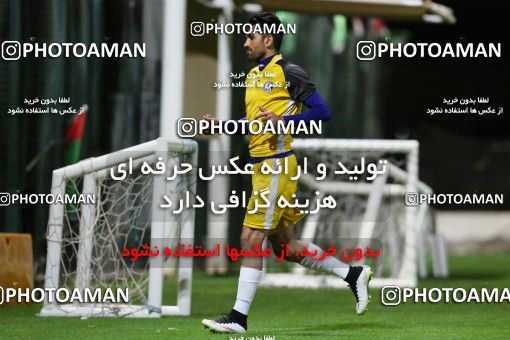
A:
(299, 313)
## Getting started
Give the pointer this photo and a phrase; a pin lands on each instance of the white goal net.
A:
(86, 242)
(376, 213)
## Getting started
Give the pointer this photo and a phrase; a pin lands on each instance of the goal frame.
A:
(91, 169)
(408, 182)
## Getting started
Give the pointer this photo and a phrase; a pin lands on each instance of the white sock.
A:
(248, 281)
(328, 265)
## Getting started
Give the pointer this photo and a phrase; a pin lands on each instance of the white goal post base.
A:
(326, 281)
(99, 310)
(95, 310)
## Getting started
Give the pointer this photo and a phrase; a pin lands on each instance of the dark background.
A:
(386, 98)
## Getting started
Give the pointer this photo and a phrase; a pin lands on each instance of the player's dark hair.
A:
(269, 19)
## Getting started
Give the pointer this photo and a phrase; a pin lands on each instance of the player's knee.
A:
(250, 237)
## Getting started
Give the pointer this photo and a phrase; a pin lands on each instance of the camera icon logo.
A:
(365, 50)
(390, 295)
(11, 50)
(411, 199)
(5, 199)
(187, 127)
(197, 29)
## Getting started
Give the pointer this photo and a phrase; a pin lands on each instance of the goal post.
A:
(368, 212)
(85, 241)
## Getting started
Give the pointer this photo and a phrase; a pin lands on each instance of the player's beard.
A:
(252, 55)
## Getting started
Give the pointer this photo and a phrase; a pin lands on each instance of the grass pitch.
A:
(298, 313)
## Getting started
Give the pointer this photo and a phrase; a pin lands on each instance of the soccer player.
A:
(271, 103)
